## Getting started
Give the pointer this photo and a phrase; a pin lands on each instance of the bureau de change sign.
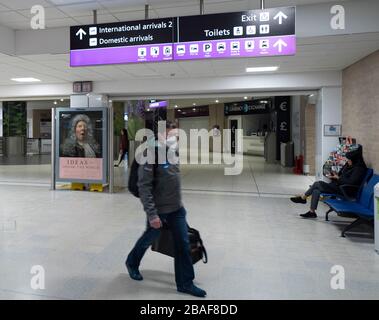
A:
(253, 33)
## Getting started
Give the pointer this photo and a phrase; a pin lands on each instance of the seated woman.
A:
(352, 173)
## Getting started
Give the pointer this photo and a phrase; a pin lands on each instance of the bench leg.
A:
(327, 214)
(352, 225)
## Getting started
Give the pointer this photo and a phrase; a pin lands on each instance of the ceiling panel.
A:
(23, 4)
(134, 15)
(314, 54)
(125, 10)
(56, 23)
(102, 18)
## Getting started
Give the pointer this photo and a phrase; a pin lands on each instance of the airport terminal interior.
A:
(277, 117)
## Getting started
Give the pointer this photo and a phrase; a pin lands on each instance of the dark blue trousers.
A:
(176, 221)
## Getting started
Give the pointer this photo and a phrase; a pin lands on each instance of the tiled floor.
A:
(258, 246)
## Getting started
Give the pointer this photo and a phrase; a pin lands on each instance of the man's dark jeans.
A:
(176, 221)
(321, 187)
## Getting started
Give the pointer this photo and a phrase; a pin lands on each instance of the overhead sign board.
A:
(253, 33)
(247, 107)
(158, 104)
(122, 42)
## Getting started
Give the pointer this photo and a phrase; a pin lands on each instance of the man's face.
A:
(81, 130)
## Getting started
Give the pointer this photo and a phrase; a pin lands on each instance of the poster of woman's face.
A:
(81, 145)
(81, 134)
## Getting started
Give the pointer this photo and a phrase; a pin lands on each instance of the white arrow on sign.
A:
(280, 15)
(81, 33)
(280, 43)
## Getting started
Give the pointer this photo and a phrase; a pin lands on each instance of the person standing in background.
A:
(123, 146)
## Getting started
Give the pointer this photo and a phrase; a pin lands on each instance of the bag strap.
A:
(205, 256)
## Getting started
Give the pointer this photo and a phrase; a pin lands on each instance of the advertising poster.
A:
(81, 145)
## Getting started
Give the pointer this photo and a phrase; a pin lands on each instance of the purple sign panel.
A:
(121, 55)
(122, 42)
(248, 47)
(158, 104)
(252, 33)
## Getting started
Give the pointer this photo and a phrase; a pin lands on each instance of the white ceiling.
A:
(313, 54)
(16, 14)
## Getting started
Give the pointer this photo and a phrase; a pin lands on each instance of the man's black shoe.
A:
(298, 200)
(193, 290)
(133, 272)
(309, 215)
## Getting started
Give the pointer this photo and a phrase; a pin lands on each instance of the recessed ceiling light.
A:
(179, 110)
(55, 102)
(26, 80)
(245, 98)
(194, 109)
(176, 106)
(262, 69)
(62, 100)
(194, 104)
(217, 101)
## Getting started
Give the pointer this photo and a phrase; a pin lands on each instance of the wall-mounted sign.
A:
(246, 107)
(253, 33)
(82, 87)
(332, 130)
(200, 111)
(81, 145)
(158, 104)
(283, 122)
(122, 42)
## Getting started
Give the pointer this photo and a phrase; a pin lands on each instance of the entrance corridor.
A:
(258, 246)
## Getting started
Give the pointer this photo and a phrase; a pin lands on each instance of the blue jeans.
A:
(176, 221)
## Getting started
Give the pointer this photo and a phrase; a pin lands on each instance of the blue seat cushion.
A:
(351, 207)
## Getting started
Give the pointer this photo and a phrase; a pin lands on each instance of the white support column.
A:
(328, 111)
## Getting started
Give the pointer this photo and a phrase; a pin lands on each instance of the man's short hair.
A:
(170, 125)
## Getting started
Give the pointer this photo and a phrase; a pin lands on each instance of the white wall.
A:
(136, 88)
(328, 111)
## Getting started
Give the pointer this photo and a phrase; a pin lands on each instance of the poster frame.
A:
(105, 153)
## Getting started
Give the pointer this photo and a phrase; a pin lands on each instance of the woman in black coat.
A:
(352, 173)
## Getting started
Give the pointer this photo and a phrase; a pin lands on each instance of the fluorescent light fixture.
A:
(262, 69)
(26, 80)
